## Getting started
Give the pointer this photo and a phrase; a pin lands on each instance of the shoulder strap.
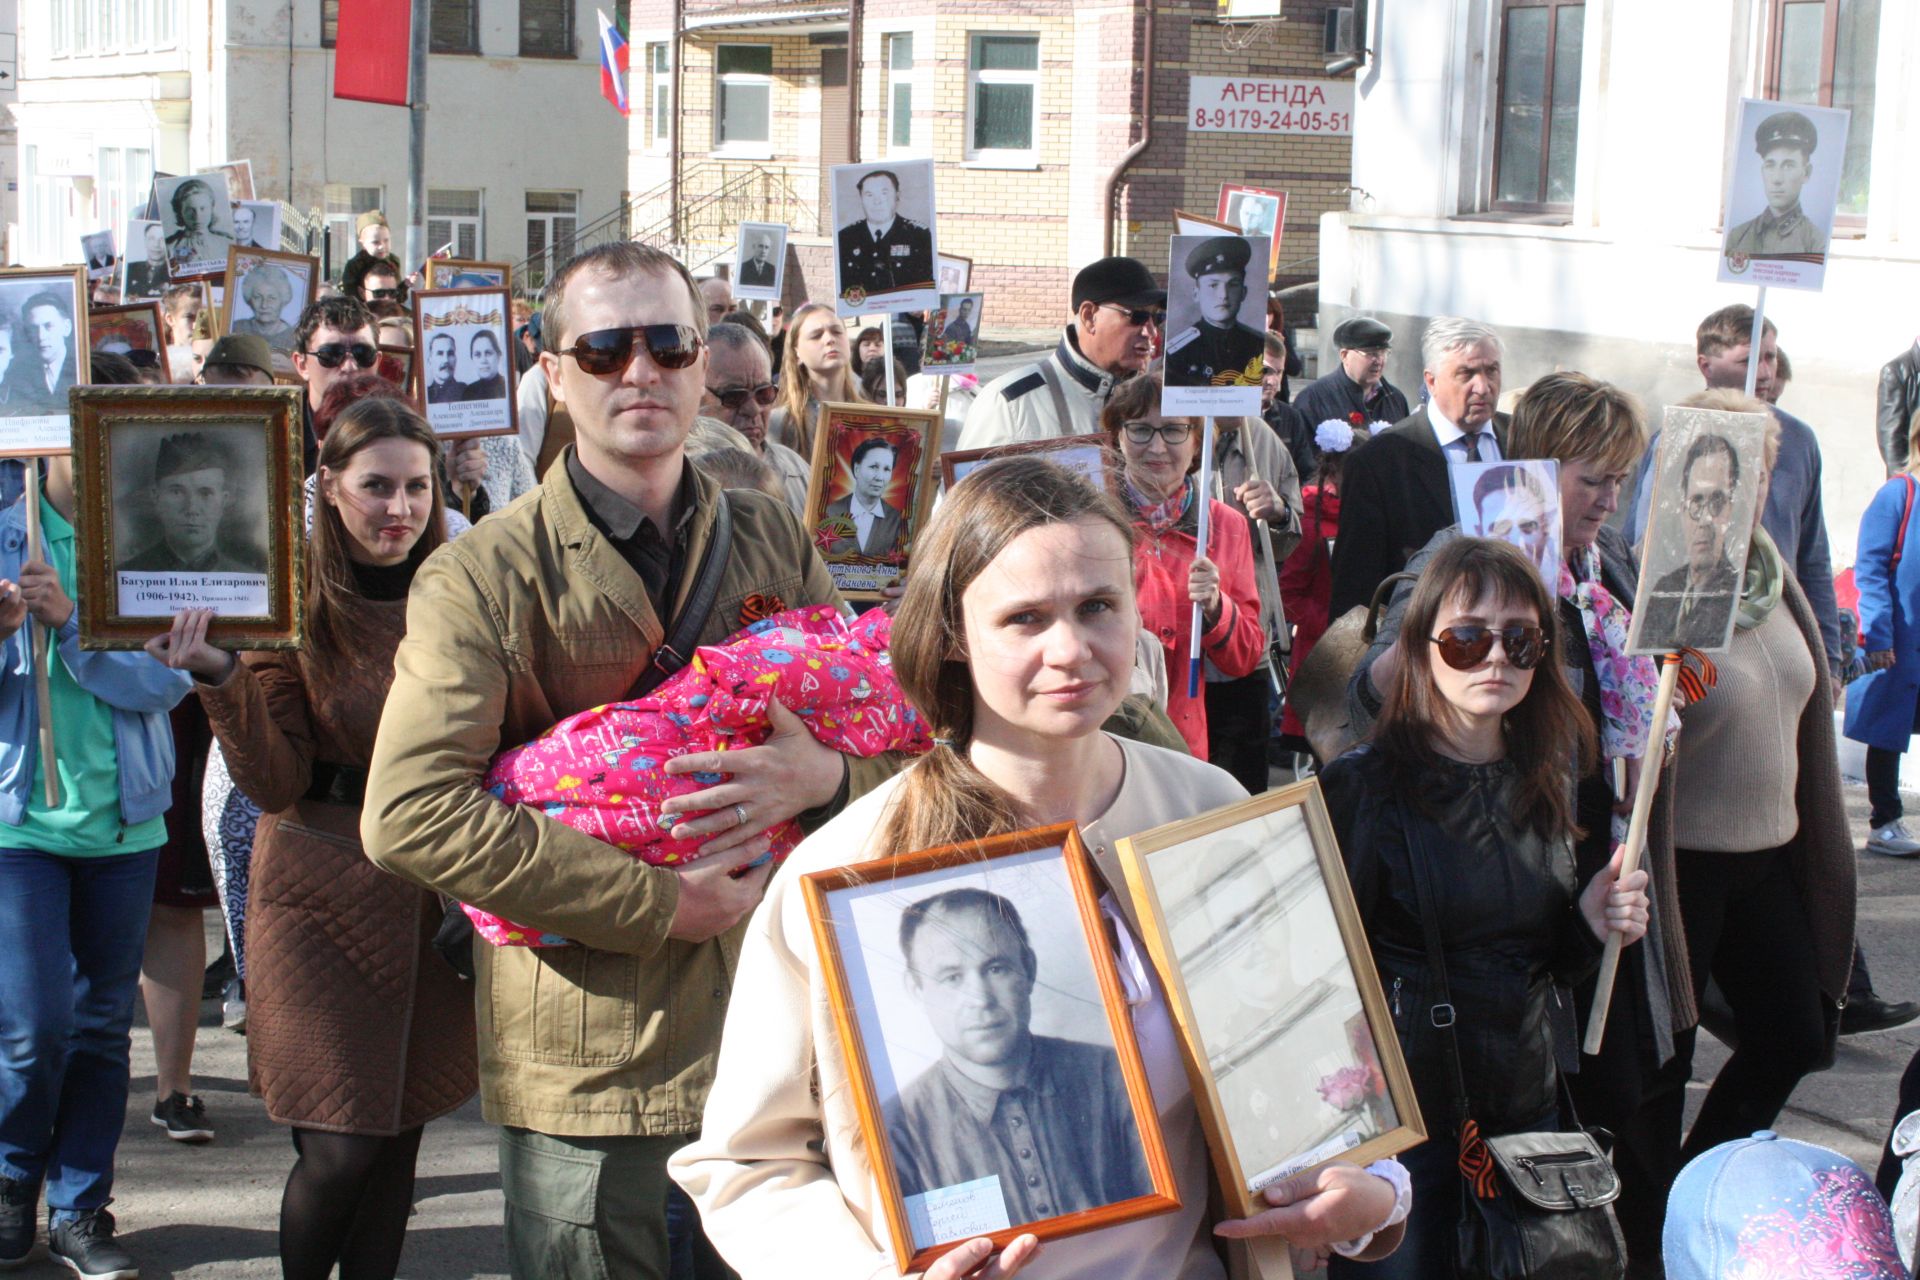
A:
(677, 649)
(1441, 1014)
(1906, 514)
(1059, 397)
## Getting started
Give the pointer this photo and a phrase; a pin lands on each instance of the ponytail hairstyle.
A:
(943, 799)
(1549, 735)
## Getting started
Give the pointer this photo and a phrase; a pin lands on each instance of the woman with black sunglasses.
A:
(1467, 785)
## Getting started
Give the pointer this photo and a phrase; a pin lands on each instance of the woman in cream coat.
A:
(1027, 571)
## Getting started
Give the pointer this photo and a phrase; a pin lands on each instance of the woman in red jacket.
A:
(1160, 457)
(1306, 576)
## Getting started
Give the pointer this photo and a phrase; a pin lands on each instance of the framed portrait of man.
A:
(101, 256)
(266, 291)
(1287, 1037)
(911, 946)
(468, 273)
(1216, 326)
(143, 268)
(189, 498)
(239, 178)
(884, 247)
(760, 259)
(197, 213)
(1784, 191)
(256, 224)
(953, 335)
(1513, 501)
(134, 330)
(463, 375)
(871, 489)
(1088, 456)
(43, 355)
(952, 273)
(1705, 501)
(1256, 211)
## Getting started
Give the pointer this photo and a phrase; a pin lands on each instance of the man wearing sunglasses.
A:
(1358, 384)
(334, 339)
(741, 393)
(380, 289)
(1118, 312)
(376, 248)
(596, 1058)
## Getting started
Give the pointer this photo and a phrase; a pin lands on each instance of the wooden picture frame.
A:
(1198, 224)
(942, 356)
(862, 570)
(952, 273)
(1033, 894)
(34, 421)
(485, 405)
(135, 556)
(459, 273)
(1261, 1042)
(139, 325)
(302, 276)
(404, 357)
(1076, 456)
(1274, 233)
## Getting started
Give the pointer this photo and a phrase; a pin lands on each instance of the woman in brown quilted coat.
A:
(358, 1032)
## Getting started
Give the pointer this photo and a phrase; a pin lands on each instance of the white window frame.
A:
(659, 95)
(914, 81)
(455, 222)
(340, 223)
(745, 148)
(94, 28)
(1001, 157)
(547, 219)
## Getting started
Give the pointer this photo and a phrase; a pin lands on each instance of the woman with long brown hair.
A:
(358, 1031)
(817, 367)
(1464, 802)
(1015, 639)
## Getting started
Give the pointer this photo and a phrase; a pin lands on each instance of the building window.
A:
(1003, 84)
(453, 30)
(329, 23)
(546, 28)
(1823, 53)
(123, 182)
(897, 127)
(60, 27)
(454, 217)
(552, 218)
(1538, 126)
(343, 204)
(743, 114)
(660, 93)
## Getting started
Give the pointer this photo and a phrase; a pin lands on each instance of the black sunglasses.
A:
(1137, 316)
(375, 294)
(332, 355)
(1464, 648)
(733, 397)
(671, 346)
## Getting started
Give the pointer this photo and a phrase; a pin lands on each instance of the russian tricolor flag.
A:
(613, 63)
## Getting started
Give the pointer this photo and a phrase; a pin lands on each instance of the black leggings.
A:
(1238, 726)
(1748, 930)
(346, 1203)
(1883, 786)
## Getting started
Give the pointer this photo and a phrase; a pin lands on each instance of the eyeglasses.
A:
(1144, 432)
(1137, 316)
(1464, 648)
(1708, 506)
(332, 355)
(671, 346)
(732, 398)
(374, 295)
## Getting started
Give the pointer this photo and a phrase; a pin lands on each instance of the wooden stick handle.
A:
(1636, 841)
(1272, 1258)
(43, 694)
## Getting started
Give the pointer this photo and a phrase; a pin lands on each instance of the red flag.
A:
(370, 52)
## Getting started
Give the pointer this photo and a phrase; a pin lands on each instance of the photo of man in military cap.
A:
(1785, 142)
(194, 484)
(1786, 185)
(884, 253)
(1215, 334)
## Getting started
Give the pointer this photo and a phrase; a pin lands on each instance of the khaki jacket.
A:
(528, 619)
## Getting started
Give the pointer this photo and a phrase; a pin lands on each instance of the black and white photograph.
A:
(43, 353)
(197, 214)
(1256, 211)
(143, 269)
(463, 374)
(101, 256)
(256, 224)
(953, 335)
(973, 988)
(760, 256)
(239, 178)
(1693, 559)
(884, 237)
(1787, 161)
(952, 273)
(1216, 325)
(1517, 502)
(266, 292)
(1248, 912)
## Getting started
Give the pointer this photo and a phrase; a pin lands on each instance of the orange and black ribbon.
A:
(757, 606)
(1697, 675)
(1476, 1161)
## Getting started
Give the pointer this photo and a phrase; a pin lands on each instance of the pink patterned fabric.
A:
(602, 771)
(1840, 1233)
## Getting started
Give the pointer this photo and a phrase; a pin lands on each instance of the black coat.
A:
(1510, 927)
(1394, 496)
(902, 259)
(1899, 397)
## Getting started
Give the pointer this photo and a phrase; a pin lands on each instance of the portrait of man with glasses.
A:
(1701, 525)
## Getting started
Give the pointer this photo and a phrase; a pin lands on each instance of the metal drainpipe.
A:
(1111, 192)
(853, 79)
(673, 132)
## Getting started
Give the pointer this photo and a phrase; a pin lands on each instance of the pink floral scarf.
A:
(1628, 682)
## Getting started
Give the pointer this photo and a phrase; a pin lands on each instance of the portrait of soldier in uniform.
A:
(880, 248)
(1785, 141)
(1218, 349)
(146, 268)
(1691, 605)
(877, 527)
(193, 490)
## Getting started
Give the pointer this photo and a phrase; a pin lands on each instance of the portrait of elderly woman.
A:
(197, 213)
(268, 305)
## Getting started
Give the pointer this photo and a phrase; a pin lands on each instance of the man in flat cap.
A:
(883, 252)
(1217, 350)
(192, 489)
(1785, 141)
(1356, 387)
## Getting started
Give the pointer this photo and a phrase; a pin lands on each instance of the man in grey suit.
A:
(877, 527)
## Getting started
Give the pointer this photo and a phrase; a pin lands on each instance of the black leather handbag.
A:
(1533, 1206)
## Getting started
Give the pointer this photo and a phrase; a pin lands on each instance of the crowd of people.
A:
(652, 1038)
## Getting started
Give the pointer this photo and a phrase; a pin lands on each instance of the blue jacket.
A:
(1881, 704)
(140, 691)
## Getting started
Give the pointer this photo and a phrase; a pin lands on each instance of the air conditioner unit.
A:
(1339, 34)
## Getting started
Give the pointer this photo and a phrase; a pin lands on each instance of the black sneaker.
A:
(18, 1199)
(86, 1245)
(184, 1117)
